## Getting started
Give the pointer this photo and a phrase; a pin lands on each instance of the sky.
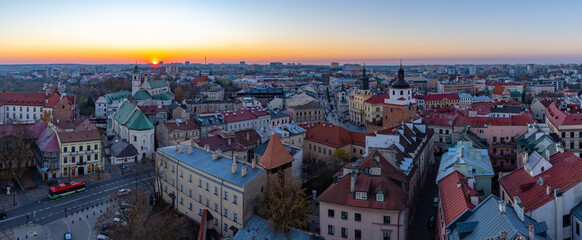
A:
(321, 31)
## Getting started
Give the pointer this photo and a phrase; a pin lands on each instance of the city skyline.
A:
(375, 32)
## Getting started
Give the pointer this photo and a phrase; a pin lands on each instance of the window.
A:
(64, 149)
(386, 236)
(200, 211)
(357, 217)
(72, 149)
(386, 219)
(379, 197)
(190, 206)
(181, 188)
(361, 195)
(199, 182)
(216, 222)
(80, 148)
(225, 195)
(577, 229)
(207, 186)
(181, 173)
(225, 227)
(215, 190)
(494, 139)
(330, 213)
(199, 198)
(344, 215)
(216, 207)
(344, 232)
(65, 160)
(225, 212)
(234, 199)
(190, 192)
(358, 234)
(190, 180)
(330, 229)
(235, 217)
(566, 221)
(182, 200)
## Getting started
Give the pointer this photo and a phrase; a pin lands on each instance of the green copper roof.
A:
(138, 121)
(141, 95)
(116, 96)
(131, 117)
(515, 94)
(158, 84)
(135, 70)
(161, 96)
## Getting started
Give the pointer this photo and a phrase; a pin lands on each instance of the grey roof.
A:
(507, 109)
(261, 148)
(259, 228)
(209, 120)
(577, 211)
(277, 113)
(486, 221)
(123, 149)
(465, 153)
(219, 168)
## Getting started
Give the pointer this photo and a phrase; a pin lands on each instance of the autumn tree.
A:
(46, 116)
(285, 205)
(340, 156)
(18, 143)
(179, 94)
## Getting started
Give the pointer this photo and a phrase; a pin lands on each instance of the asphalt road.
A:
(47, 210)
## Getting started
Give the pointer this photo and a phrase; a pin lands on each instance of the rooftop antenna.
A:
(400, 63)
(204, 60)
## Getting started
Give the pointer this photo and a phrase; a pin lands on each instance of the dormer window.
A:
(379, 197)
(361, 196)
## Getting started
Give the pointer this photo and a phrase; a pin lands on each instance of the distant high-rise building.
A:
(187, 63)
(242, 63)
(334, 66)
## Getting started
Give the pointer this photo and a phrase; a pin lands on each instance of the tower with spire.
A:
(356, 104)
(400, 106)
(135, 80)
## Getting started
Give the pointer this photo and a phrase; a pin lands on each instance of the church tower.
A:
(135, 80)
(400, 106)
(356, 104)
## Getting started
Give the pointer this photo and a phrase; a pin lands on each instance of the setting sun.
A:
(155, 62)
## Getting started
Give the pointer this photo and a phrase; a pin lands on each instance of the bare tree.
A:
(16, 147)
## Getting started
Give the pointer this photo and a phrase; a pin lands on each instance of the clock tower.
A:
(400, 106)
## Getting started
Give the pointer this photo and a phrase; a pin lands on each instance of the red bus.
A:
(65, 189)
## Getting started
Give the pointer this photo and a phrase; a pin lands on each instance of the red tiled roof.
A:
(441, 96)
(83, 130)
(516, 120)
(33, 99)
(151, 109)
(495, 83)
(498, 90)
(377, 99)
(247, 137)
(219, 143)
(185, 126)
(358, 138)
(200, 79)
(564, 174)
(330, 135)
(559, 118)
(243, 114)
(276, 154)
(395, 198)
(455, 199)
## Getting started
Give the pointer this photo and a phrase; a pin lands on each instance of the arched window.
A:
(401, 92)
(393, 92)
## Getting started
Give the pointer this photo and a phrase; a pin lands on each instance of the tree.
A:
(19, 144)
(285, 205)
(46, 116)
(340, 156)
(179, 94)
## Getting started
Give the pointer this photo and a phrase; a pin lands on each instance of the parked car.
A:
(123, 192)
(68, 236)
(435, 202)
(3, 214)
(431, 221)
(119, 221)
(103, 237)
(125, 205)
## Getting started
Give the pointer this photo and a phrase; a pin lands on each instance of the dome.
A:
(400, 82)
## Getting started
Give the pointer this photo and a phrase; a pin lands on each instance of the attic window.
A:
(379, 197)
(361, 196)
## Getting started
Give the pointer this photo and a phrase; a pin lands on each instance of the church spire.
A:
(364, 80)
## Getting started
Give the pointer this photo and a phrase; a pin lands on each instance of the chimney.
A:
(541, 181)
(548, 154)
(207, 148)
(234, 158)
(458, 185)
(502, 206)
(214, 156)
(180, 149)
(233, 167)
(559, 212)
(548, 189)
(254, 163)
(462, 152)
(243, 171)
(248, 136)
(518, 207)
(530, 231)
(190, 149)
(353, 181)
(475, 200)
(175, 147)
(471, 183)
(229, 141)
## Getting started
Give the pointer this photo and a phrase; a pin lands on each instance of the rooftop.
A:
(219, 168)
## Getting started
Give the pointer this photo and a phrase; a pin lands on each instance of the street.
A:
(418, 228)
(334, 116)
(47, 211)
